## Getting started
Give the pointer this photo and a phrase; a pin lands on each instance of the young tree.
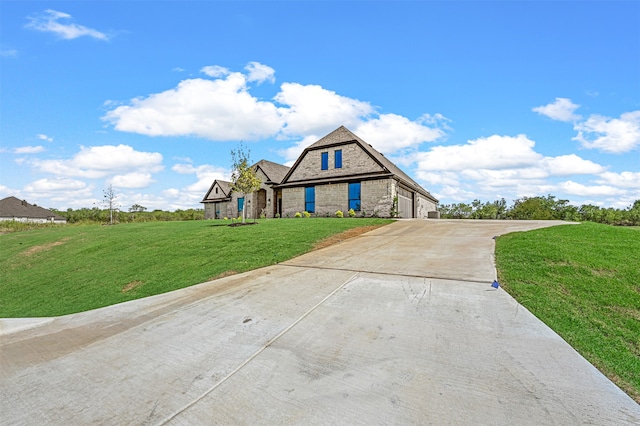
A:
(109, 200)
(243, 178)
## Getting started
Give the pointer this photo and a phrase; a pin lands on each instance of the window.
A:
(354, 196)
(310, 199)
(338, 158)
(240, 204)
(216, 190)
(325, 161)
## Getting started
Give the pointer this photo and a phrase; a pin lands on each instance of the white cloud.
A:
(493, 152)
(101, 161)
(622, 180)
(219, 110)
(132, 180)
(44, 137)
(561, 109)
(49, 21)
(222, 109)
(574, 188)
(390, 132)
(60, 192)
(8, 53)
(29, 149)
(565, 165)
(5, 191)
(501, 166)
(260, 73)
(205, 173)
(292, 153)
(613, 135)
(311, 109)
(439, 178)
(215, 71)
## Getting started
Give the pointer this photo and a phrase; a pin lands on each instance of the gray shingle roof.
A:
(274, 171)
(14, 207)
(226, 189)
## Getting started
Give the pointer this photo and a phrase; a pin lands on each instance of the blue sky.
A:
(472, 99)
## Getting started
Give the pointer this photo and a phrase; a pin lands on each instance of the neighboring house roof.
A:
(224, 186)
(14, 207)
(275, 172)
(342, 136)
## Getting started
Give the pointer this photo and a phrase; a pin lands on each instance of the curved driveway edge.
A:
(397, 326)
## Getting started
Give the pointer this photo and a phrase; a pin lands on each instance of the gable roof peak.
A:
(339, 135)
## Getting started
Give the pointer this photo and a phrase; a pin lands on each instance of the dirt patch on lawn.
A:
(131, 286)
(37, 249)
(338, 238)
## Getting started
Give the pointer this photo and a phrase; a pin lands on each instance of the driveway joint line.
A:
(390, 274)
(259, 351)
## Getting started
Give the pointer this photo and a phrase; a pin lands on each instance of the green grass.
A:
(67, 269)
(583, 281)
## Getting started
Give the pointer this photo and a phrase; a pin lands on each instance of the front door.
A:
(262, 203)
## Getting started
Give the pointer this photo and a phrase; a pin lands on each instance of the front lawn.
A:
(65, 269)
(583, 281)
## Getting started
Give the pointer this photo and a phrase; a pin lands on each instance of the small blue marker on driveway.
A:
(495, 284)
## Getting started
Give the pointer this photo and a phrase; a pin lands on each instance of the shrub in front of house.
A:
(351, 213)
(298, 214)
(339, 213)
(306, 214)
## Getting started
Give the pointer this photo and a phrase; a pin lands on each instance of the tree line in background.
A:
(542, 208)
(136, 213)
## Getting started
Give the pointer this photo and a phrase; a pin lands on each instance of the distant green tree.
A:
(136, 208)
(634, 213)
(243, 178)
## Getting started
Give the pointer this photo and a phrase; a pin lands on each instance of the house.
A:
(220, 201)
(12, 208)
(338, 172)
(342, 172)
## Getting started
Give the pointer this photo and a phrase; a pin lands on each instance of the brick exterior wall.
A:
(292, 201)
(377, 197)
(354, 161)
(223, 207)
(331, 198)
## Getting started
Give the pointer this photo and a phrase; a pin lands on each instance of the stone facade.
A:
(377, 197)
(355, 161)
(292, 201)
(220, 201)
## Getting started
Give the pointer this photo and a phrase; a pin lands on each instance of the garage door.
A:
(405, 203)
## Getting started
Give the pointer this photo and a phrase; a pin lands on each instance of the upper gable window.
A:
(216, 190)
(324, 161)
(338, 158)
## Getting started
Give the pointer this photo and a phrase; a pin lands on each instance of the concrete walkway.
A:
(398, 326)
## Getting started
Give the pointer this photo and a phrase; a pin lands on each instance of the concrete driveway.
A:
(397, 326)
